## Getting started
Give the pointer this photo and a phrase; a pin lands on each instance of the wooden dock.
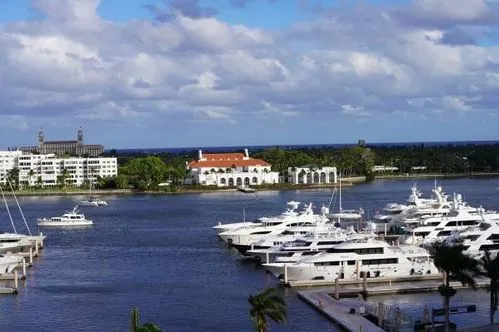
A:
(360, 282)
(338, 312)
(397, 288)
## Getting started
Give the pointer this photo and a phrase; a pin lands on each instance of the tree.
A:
(490, 269)
(61, 179)
(267, 304)
(455, 264)
(31, 173)
(136, 327)
(13, 177)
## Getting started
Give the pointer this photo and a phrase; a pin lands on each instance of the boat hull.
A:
(49, 223)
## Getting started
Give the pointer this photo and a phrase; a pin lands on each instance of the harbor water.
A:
(161, 255)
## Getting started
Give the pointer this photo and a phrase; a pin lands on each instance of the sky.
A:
(190, 73)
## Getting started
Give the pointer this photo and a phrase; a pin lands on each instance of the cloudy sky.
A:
(176, 73)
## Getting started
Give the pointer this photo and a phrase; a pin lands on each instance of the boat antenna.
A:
(8, 211)
(19, 207)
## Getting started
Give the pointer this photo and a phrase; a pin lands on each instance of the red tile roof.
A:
(226, 160)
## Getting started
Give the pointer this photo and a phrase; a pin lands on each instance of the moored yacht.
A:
(305, 222)
(71, 218)
(95, 202)
(458, 219)
(291, 210)
(8, 263)
(309, 244)
(353, 260)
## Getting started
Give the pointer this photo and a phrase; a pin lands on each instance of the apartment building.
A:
(44, 169)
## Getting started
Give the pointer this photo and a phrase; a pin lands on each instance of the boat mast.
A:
(19, 207)
(8, 211)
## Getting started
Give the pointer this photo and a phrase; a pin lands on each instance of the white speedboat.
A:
(95, 202)
(246, 189)
(69, 219)
(353, 260)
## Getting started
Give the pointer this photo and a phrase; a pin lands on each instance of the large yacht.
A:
(242, 238)
(475, 239)
(9, 262)
(459, 219)
(353, 260)
(416, 207)
(71, 218)
(307, 245)
(291, 211)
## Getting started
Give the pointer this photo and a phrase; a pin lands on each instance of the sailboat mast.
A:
(341, 208)
(8, 211)
(19, 207)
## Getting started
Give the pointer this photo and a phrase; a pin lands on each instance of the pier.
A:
(339, 312)
(346, 308)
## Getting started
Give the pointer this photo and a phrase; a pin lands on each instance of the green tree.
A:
(31, 174)
(135, 324)
(490, 269)
(267, 304)
(13, 177)
(62, 178)
(455, 264)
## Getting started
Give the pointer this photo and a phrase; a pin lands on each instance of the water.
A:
(160, 254)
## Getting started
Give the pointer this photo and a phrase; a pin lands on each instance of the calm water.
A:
(160, 254)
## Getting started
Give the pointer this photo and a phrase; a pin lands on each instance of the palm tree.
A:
(490, 268)
(31, 173)
(455, 264)
(267, 304)
(136, 327)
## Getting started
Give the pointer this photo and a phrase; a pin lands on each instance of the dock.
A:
(361, 282)
(338, 312)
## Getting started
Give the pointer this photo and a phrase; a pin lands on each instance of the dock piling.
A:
(337, 288)
(36, 247)
(31, 255)
(285, 273)
(16, 280)
(24, 267)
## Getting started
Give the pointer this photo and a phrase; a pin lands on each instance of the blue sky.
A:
(215, 72)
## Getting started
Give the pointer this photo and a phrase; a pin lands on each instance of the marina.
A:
(173, 253)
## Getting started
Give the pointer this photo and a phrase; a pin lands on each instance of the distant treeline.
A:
(145, 171)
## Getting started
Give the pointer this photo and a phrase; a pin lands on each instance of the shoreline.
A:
(346, 182)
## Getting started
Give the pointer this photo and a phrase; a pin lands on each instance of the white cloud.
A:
(353, 62)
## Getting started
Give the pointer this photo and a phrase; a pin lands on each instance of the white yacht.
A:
(94, 202)
(459, 219)
(476, 239)
(415, 208)
(71, 218)
(353, 260)
(305, 222)
(342, 214)
(308, 245)
(291, 210)
(9, 262)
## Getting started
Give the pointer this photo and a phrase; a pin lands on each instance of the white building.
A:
(312, 175)
(8, 161)
(44, 169)
(230, 169)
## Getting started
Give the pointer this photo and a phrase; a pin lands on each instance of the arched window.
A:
(231, 182)
(323, 177)
(246, 181)
(239, 181)
(331, 177)
(255, 180)
(316, 177)
(223, 181)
